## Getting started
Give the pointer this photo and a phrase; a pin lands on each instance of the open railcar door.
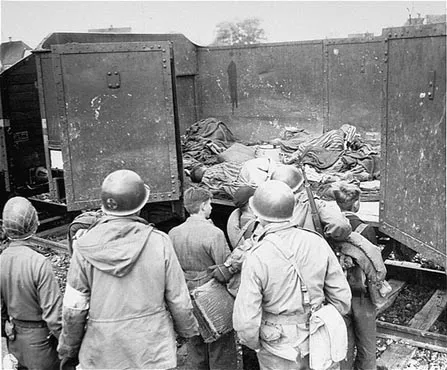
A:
(413, 185)
(116, 109)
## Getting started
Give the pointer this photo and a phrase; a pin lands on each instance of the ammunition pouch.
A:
(270, 332)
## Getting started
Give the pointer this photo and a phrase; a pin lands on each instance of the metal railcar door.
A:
(116, 110)
(354, 69)
(413, 199)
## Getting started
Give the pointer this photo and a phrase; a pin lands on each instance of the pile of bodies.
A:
(337, 155)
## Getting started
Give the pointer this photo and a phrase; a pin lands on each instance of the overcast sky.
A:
(31, 21)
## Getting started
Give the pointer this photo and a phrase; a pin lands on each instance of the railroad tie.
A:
(397, 355)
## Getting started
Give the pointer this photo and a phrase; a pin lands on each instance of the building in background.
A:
(111, 29)
(435, 18)
(366, 35)
(429, 19)
(11, 52)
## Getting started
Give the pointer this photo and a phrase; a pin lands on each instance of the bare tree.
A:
(245, 32)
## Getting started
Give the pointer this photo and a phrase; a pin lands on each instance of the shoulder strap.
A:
(359, 229)
(312, 231)
(313, 206)
(276, 241)
(270, 169)
(244, 229)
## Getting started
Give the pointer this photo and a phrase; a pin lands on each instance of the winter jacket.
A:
(367, 230)
(355, 275)
(125, 277)
(335, 225)
(270, 309)
(240, 219)
(241, 226)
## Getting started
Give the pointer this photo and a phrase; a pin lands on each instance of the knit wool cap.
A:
(20, 219)
(242, 195)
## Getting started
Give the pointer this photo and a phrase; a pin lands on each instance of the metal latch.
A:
(113, 80)
(431, 83)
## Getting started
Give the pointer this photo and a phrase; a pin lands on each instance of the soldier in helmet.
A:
(30, 296)
(288, 274)
(126, 295)
(335, 225)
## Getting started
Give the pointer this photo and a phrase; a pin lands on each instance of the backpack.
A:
(80, 225)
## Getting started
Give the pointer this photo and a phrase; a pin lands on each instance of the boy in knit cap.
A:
(242, 218)
(347, 196)
(30, 297)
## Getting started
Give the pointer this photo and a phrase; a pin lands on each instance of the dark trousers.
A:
(218, 355)
(33, 349)
(249, 358)
(361, 326)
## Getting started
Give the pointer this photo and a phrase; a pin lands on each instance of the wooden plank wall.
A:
(20, 105)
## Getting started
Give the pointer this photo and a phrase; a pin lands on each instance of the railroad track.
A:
(45, 243)
(41, 239)
(416, 334)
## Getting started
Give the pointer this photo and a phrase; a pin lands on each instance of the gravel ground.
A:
(410, 300)
(60, 264)
(425, 359)
(425, 263)
(440, 325)
(382, 344)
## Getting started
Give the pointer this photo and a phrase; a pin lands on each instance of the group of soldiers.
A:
(127, 301)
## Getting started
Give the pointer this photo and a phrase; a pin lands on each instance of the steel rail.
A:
(414, 274)
(45, 243)
(414, 337)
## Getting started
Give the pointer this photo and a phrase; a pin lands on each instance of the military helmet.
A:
(273, 201)
(20, 220)
(123, 193)
(289, 175)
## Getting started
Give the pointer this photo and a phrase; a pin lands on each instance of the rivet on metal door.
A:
(113, 79)
(431, 84)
